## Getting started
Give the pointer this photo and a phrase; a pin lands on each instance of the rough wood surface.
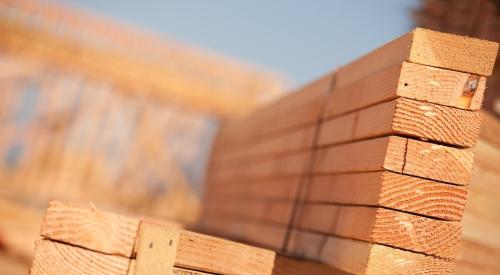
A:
(53, 258)
(64, 223)
(90, 228)
(383, 226)
(405, 117)
(397, 154)
(359, 257)
(426, 47)
(390, 190)
(408, 80)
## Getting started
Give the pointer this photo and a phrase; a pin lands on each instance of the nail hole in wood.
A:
(406, 84)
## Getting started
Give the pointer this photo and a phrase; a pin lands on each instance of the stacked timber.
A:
(366, 169)
(88, 241)
(480, 246)
(477, 18)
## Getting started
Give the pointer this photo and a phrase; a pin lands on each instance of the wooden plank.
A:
(290, 266)
(271, 189)
(383, 226)
(299, 139)
(114, 234)
(298, 109)
(290, 165)
(268, 211)
(405, 117)
(358, 257)
(397, 154)
(58, 258)
(426, 47)
(53, 258)
(420, 120)
(262, 234)
(390, 190)
(412, 81)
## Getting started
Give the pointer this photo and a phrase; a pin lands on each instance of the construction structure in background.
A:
(91, 110)
(480, 250)
(476, 18)
(366, 169)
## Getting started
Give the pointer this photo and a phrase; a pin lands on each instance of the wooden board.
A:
(90, 228)
(390, 190)
(289, 165)
(53, 258)
(412, 81)
(397, 154)
(405, 117)
(426, 47)
(261, 210)
(295, 140)
(260, 233)
(383, 226)
(271, 189)
(358, 257)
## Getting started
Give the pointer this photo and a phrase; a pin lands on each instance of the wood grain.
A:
(100, 231)
(405, 117)
(426, 47)
(391, 190)
(412, 81)
(64, 223)
(359, 257)
(53, 258)
(397, 154)
(383, 226)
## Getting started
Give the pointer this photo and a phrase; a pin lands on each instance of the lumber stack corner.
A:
(374, 179)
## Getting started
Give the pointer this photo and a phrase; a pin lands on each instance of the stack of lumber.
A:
(366, 169)
(88, 241)
(480, 246)
(477, 18)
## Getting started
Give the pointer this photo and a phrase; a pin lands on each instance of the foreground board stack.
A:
(480, 245)
(87, 241)
(366, 169)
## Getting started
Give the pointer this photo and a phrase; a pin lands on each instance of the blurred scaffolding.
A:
(95, 111)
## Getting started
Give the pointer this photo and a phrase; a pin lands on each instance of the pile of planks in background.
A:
(480, 245)
(88, 241)
(365, 169)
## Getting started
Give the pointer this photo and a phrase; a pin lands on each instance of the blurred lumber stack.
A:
(476, 18)
(480, 246)
(88, 241)
(366, 169)
(94, 110)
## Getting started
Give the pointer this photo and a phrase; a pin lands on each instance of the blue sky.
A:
(301, 39)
